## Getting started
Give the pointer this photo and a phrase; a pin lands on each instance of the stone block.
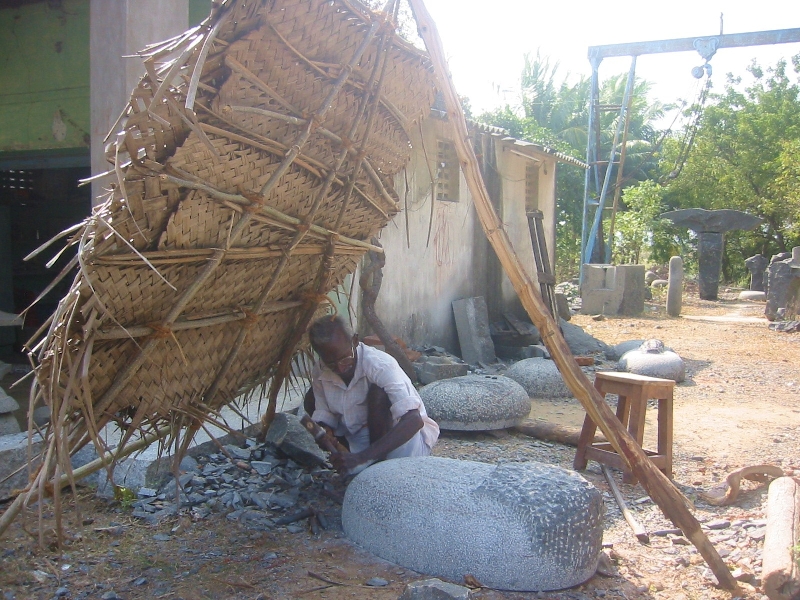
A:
(434, 368)
(631, 277)
(290, 437)
(7, 403)
(5, 369)
(476, 403)
(600, 292)
(540, 378)
(8, 424)
(13, 455)
(434, 589)
(515, 526)
(472, 324)
(562, 305)
(613, 290)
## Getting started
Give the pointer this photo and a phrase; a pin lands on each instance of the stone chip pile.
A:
(258, 486)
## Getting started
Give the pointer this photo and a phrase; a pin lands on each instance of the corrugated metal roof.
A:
(522, 145)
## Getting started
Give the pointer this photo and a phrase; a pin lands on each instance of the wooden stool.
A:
(634, 391)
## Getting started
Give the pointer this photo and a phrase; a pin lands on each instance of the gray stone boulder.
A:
(540, 378)
(581, 343)
(476, 402)
(434, 589)
(616, 352)
(7, 403)
(659, 283)
(654, 360)
(515, 526)
(290, 437)
(753, 296)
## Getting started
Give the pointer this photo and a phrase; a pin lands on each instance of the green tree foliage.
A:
(553, 111)
(745, 157)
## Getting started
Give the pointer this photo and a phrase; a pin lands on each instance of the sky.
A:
(485, 41)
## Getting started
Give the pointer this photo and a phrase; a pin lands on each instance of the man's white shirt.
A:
(344, 407)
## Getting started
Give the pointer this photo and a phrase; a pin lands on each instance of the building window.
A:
(531, 186)
(447, 172)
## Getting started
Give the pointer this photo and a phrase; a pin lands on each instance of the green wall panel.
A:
(44, 76)
(198, 10)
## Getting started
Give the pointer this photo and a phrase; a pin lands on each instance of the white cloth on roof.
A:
(344, 407)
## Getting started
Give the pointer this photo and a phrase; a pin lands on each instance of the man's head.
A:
(334, 342)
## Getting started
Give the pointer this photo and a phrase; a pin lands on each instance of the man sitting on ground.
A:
(362, 394)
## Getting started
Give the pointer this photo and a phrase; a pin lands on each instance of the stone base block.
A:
(516, 526)
(435, 368)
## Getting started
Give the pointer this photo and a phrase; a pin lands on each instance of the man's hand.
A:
(346, 463)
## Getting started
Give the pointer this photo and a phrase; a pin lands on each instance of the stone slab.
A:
(7, 403)
(476, 403)
(5, 369)
(601, 292)
(515, 526)
(631, 277)
(540, 378)
(472, 324)
(434, 589)
(290, 437)
(434, 368)
(753, 296)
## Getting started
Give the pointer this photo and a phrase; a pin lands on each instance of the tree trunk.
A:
(370, 283)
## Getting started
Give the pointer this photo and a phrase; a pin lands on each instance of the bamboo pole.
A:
(661, 490)
(33, 495)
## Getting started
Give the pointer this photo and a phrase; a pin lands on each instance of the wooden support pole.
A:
(638, 530)
(661, 490)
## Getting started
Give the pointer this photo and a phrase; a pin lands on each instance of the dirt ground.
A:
(738, 407)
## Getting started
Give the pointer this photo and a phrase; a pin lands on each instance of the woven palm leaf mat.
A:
(254, 160)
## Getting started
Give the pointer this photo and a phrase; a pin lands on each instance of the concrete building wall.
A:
(44, 78)
(422, 279)
(512, 169)
(120, 28)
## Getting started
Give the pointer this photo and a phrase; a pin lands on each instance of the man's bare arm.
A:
(408, 425)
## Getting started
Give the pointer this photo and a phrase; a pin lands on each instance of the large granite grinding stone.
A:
(476, 402)
(540, 378)
(515, 526)
(654, 360)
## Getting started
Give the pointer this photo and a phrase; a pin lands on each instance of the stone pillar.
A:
(757, 265)
(675, 288)
(709, 249)
(119, 28)
(779, 279)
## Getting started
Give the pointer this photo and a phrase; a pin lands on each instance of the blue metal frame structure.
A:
(594, 193)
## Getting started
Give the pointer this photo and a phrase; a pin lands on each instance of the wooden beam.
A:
(661, 490)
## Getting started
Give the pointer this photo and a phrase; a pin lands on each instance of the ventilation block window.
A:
(446, 172)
